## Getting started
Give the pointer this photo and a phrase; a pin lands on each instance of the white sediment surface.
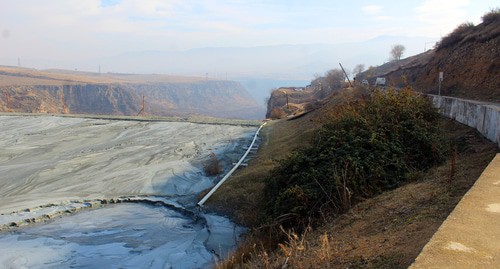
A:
(118, 236)
(52, 164)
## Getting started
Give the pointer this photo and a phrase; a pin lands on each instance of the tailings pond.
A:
(90, 193)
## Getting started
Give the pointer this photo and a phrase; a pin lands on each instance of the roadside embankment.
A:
(484, 117)
(250, 148)
(469, 237)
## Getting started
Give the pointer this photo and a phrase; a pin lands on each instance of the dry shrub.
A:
(313, 105)
(324, 253)
(459, 34)
(277, 113)
(491, 16)
(212, 166)
(296, 251)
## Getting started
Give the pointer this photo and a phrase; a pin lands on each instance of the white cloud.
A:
(431, 10)
(442, 15)
(148, 8)
(383, 18)
(375, 12)
(372, 9)
(76, 29)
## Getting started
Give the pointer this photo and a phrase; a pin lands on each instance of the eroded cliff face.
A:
(212, 98)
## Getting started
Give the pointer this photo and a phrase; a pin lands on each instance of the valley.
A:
(69, 92)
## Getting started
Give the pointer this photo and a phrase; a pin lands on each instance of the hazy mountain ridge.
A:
(289, 61)
(80, 93)
(260, 69)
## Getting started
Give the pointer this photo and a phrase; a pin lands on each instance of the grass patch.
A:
(241, 197)
(367, 147)
(387, 231)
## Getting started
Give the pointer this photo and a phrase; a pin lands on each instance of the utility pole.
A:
(440, 80)
(8, 101)
(346, 75)
(64, 107)
(18, 62)
(142, 109)
(287, 101)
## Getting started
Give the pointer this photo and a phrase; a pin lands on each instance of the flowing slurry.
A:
(50, 165)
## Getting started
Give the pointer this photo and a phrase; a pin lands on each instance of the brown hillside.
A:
(291, 101)
(387, 231)
(288, 101)
(279, 139)
(469, 57)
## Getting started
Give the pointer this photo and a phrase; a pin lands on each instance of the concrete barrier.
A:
(485, 117)
(470, 236)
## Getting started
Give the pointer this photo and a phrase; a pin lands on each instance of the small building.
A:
(380, 81)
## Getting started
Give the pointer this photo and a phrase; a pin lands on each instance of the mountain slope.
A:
(469, 58)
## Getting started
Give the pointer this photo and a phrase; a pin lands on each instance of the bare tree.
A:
(370, 71)
(358, 69)
(334, 79)
(397, 51)
(317, 82)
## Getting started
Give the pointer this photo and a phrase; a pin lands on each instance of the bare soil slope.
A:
(469, 58)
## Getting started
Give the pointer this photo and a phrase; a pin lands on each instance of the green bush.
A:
(368, 147)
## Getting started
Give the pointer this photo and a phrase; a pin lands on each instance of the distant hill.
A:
(259, 69)
(279, 62)
(62, 91)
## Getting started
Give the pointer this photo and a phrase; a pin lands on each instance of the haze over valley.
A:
(240, 134)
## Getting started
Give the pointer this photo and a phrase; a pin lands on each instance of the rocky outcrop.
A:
(212, 98)
(294, 101)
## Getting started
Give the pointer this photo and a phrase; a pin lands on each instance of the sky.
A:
(64, 30)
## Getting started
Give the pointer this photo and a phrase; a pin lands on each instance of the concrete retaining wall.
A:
(485, 117)
(470, 236)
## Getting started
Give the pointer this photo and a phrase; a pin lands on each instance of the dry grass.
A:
(212, 166)
(387, 231)
(241, 196)
(16, 76)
